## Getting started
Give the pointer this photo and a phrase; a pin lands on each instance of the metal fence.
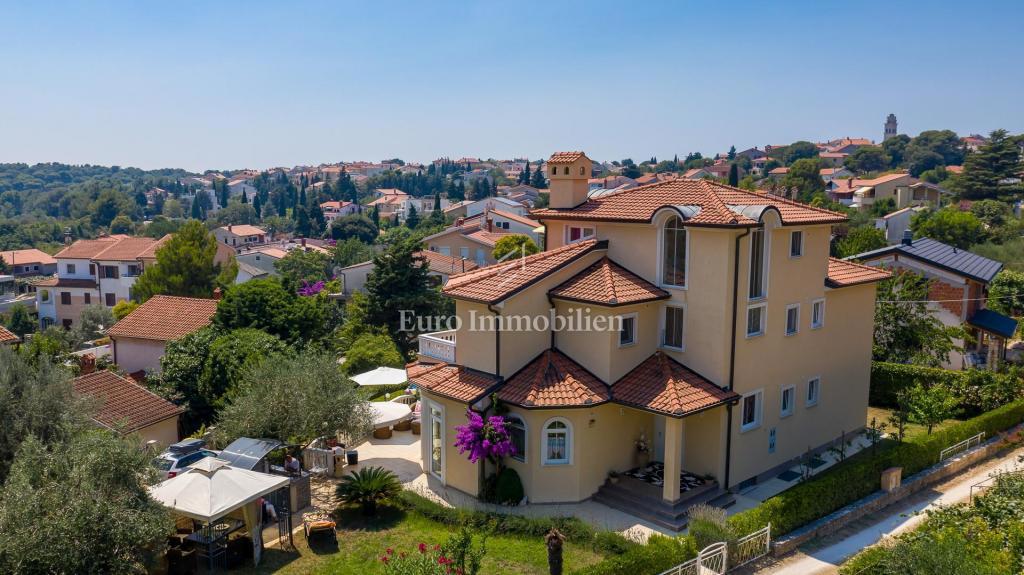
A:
(979, 488)
(964, 445)
(714, 559)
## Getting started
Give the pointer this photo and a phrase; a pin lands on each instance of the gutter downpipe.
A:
(732, 351)
(482, 469)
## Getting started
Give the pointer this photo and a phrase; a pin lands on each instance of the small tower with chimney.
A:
(568, 173)
(890, 127)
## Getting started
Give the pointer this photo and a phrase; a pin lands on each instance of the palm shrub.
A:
(368, 487)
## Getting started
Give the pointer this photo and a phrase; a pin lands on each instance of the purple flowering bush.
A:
(482, 438)
(311, 289)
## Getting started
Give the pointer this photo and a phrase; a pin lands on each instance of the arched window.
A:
(567, 170)
(673, 253)
(583, 170)
(556, 446)
(517, 430)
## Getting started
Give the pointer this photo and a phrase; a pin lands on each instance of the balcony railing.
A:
(438, 345)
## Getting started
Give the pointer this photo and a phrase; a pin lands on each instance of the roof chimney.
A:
(87, 364)
(908, 238)
(303, 242)
(568, 175)
(490, 225)
(217, 293)
(229, 227)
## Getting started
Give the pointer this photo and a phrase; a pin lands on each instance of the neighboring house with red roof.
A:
(140, 338)
(129, 408)
(238, 236)
(471, 239)
(334, 210)
(31, 262)
(902, 188)
(353, 278)
(699, 318)
(8, 338)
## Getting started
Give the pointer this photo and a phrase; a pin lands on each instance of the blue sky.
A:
(218, 85)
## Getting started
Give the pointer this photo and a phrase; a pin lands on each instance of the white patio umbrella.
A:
(381, 376)
(386, 413)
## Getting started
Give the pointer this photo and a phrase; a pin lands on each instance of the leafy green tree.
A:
(3, 265)
(400, 283)
(1006, 293)
(517, 244)
(804, 176)
(350, 252)
(123, 308)
(949, 226)
(184, 265)
(266, 305)
(52, 344)
(945, 143)
(231, 354)
(173, 209)
(355, 226)
(181, 375)
(370, 351)
(921, 161)
(295, 399)
(413, 218)
(906, 331)
(868, 159)
(122, 224)
(304, 266)
(36, 400)
(895, 148)
(538, 181)
(90, 494)
(159, 227)
(992, 213)
(93, 322)
(732, 153)
(930, 406)
(19, 322)
(107, 206)
(989, 171)
(799, 151)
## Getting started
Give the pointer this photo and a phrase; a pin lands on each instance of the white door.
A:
(658, 453)
(436, 444)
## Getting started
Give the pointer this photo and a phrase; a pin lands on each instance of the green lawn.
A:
(913, 430)
(361, 542)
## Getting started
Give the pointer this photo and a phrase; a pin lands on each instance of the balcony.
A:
(439, 345)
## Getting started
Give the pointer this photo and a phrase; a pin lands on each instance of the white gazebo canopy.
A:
(386, 413)
(211, 489)
(381, 376)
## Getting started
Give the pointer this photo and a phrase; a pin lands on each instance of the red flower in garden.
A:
(423, 547)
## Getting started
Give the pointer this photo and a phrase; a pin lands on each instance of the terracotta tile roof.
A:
(860, 182)
(127, 249)
(244, 230)
(666, 386)
(165, 318)
(451, 381)
(30, 256)
(565, 157)
(86, 249)
(66, 282)
(553, 380)
(486, 238)
(516, 218)
(150, 252)
(7, 337)
(712, 204)
(122, 401)
(494, 283)
(608, 283)
(448, 265)
(842, 273)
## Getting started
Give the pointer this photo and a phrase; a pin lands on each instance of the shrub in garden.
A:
(660, 553)
(509, 488)
(461, 554)
(708, 525)
(368, 487)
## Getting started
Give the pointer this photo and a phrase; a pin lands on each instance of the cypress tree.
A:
(258, 206)
(734, 175)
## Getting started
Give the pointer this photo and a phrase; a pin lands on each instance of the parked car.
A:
(180, 455)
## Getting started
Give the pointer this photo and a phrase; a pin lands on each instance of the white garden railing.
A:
(964, 445)
(753, 546)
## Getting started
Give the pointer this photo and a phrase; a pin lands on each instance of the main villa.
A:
(740, 344)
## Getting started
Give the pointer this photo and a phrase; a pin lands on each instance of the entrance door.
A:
(658, 453)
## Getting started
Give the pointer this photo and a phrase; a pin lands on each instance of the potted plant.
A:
(642, 449)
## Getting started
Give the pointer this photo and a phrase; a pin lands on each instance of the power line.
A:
(1009, 296)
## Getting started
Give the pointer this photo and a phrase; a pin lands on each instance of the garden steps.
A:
(644, 501)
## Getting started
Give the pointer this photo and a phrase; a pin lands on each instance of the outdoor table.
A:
(210, 533)
(386, 413)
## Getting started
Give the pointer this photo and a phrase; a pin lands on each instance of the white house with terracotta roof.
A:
(470, 239)
(353, 278)
(100, 271)
(241, 235)
(129, 408)
(337, 209)
(140, 338)
(705, 320)
(30, 262)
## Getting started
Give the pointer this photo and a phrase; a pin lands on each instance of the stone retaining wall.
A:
(880, 499)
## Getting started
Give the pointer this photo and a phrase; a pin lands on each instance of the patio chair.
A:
(319, 521)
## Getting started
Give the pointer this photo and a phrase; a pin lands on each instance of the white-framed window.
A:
(787, 400)
(672, 328)
(575, 234)
(758, 264)
(792, 318)
(750, 410)
(817, 313)
(556, 442)
(517, 431)
(71, 269)
(464, 253)
(436, 445)
(501, 225)
(796, 243)
(627, 331)
(674, 253)
(481, 257)
(756, 319)
(444, 250)
(813, 391)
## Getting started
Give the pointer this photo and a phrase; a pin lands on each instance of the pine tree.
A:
(524, 176)
(538, 179)
(996, 162)
(412, 219)
(732, 152)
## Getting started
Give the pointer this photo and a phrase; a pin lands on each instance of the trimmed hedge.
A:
(660, 554)
(859, 476)
(888, 379)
